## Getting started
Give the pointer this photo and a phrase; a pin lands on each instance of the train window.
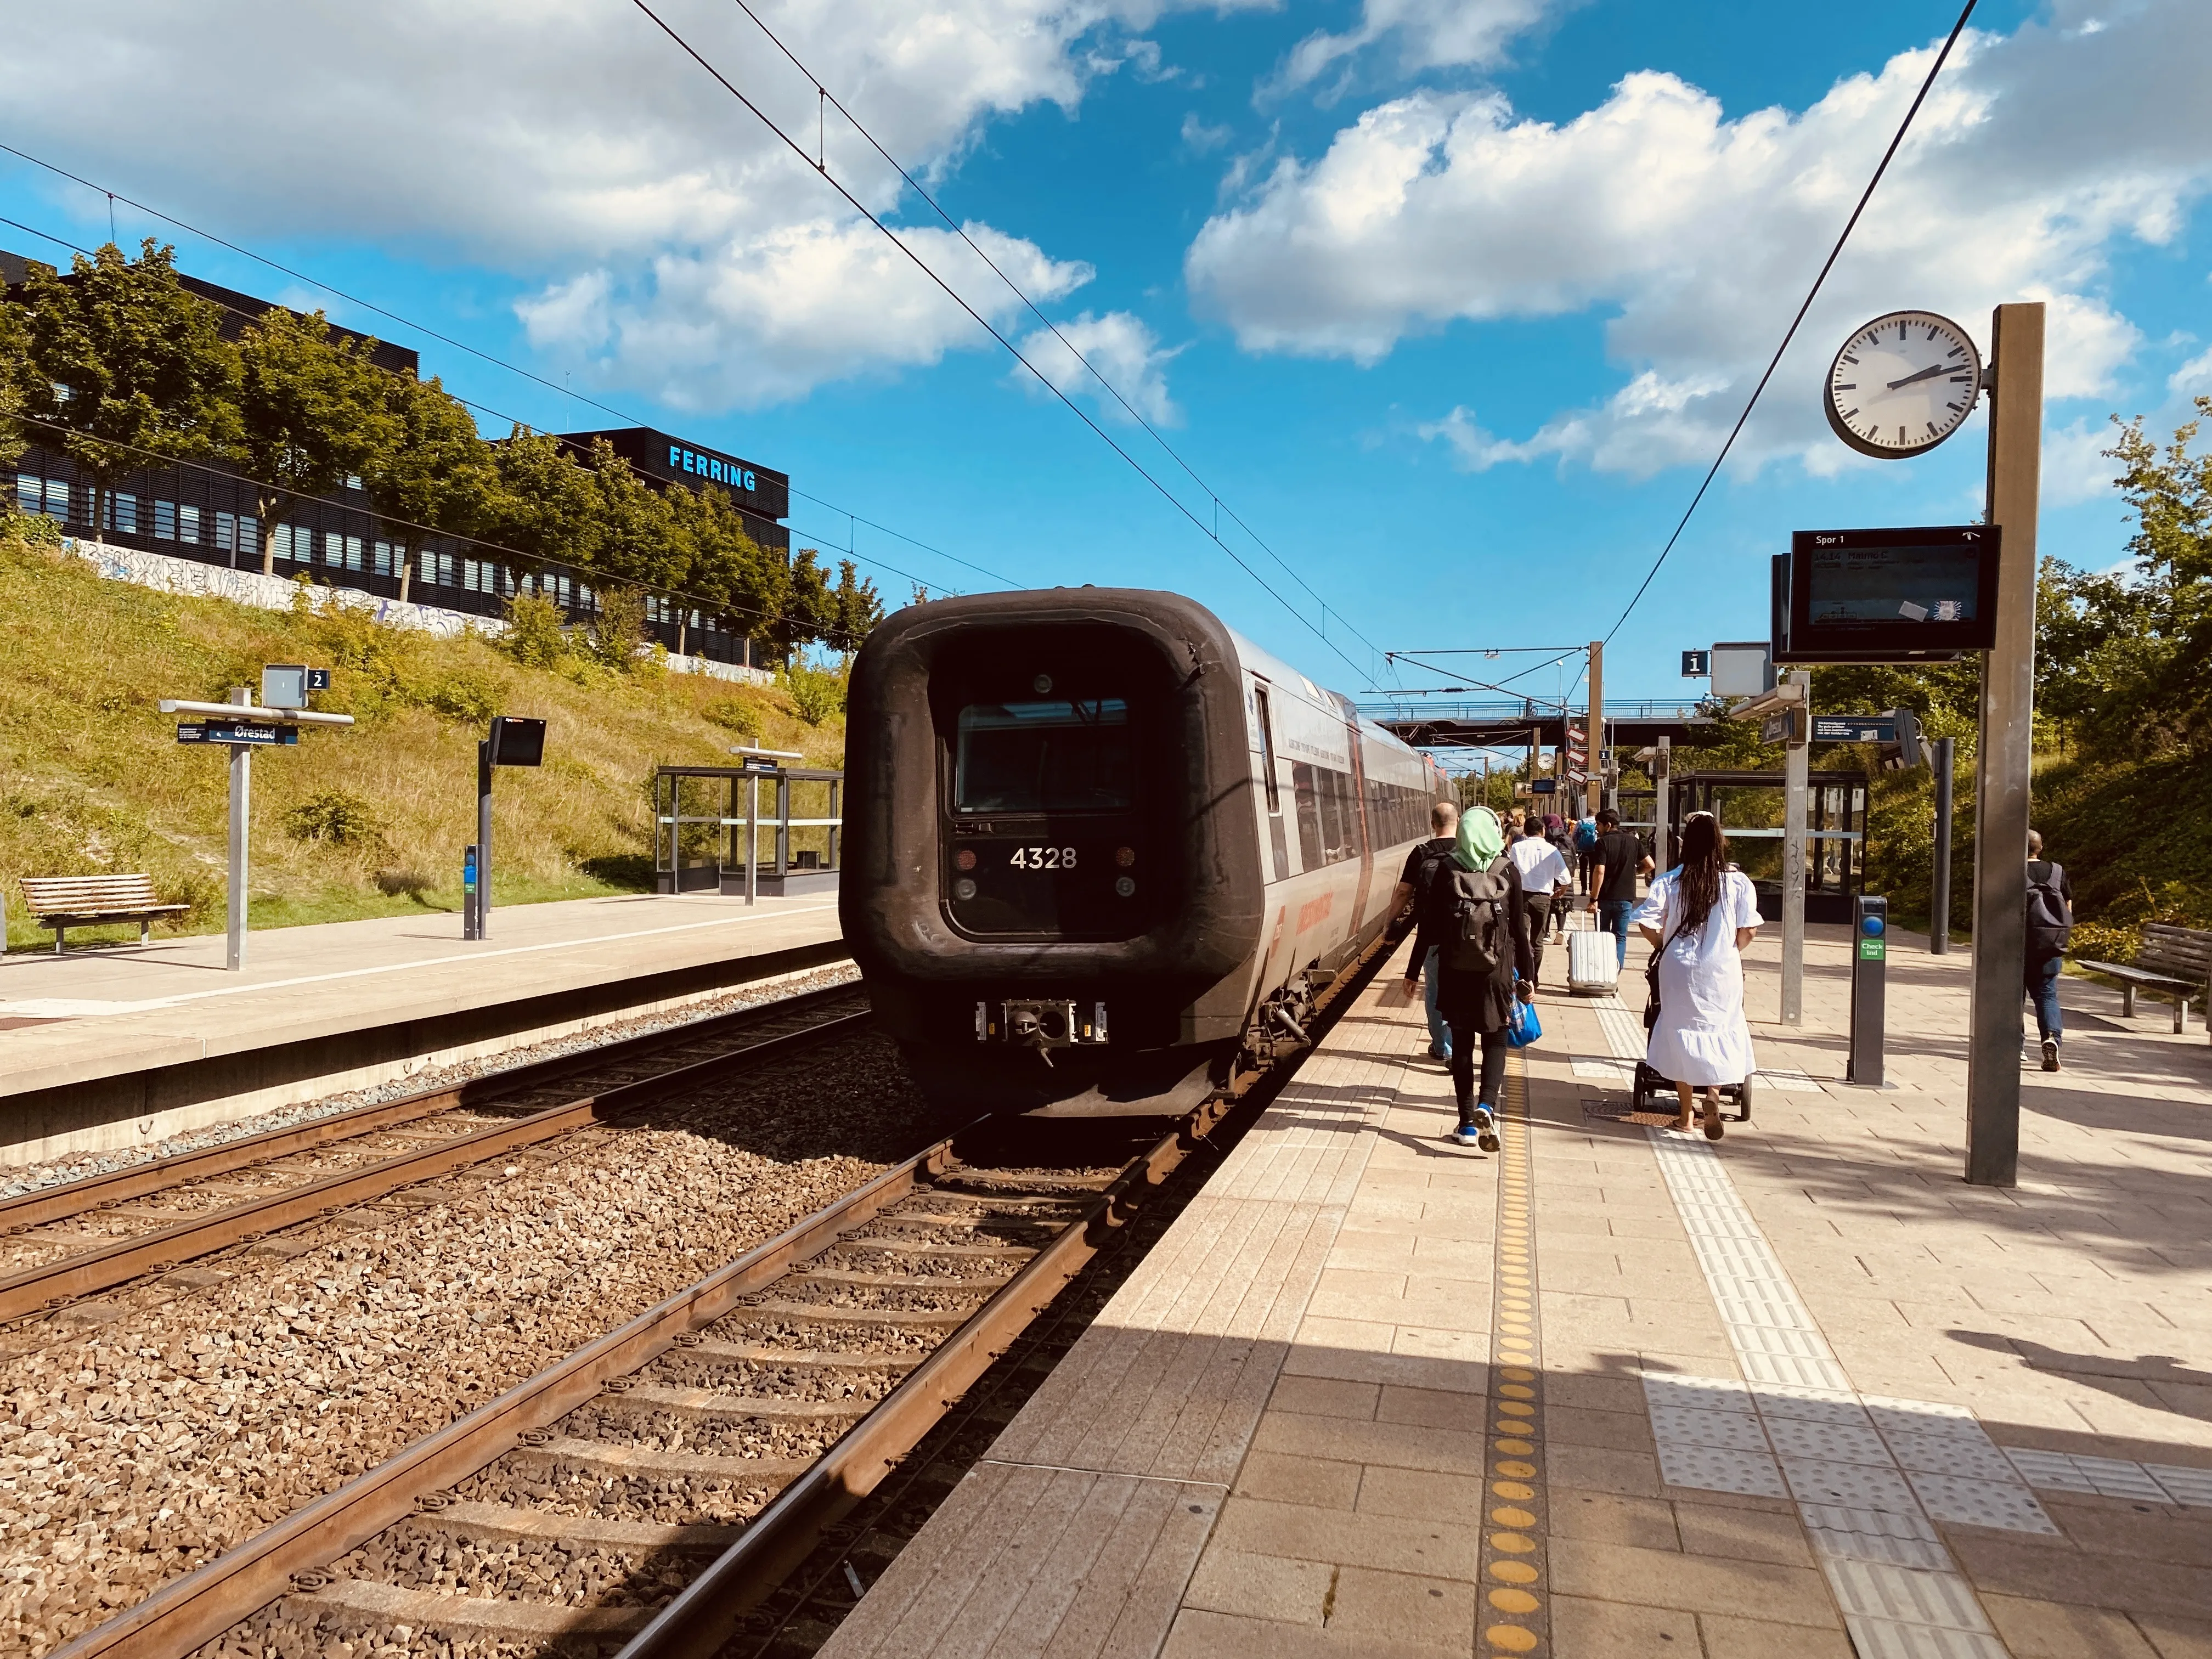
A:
(1268, 751)
(1304, 780)
(1047, 756)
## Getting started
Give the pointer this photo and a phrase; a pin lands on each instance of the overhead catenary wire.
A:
(991, 328)
(599, 581)
(565, 442)
(427, 332)
(825, 96)
(1790, 333)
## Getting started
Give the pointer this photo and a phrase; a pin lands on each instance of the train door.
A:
(1358, 748)
(1277, 832)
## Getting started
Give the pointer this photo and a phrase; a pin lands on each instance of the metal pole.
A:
(1939, 921)
(1661, 770)
(752, 839)
(1796, 782)
(2005, 753)
(483, 838)
(1594, 727)
(241, 818)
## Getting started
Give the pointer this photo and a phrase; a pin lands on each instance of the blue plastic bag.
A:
(1524, 1027)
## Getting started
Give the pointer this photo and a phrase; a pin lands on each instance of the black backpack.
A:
(1477, 942)
(2049, 919)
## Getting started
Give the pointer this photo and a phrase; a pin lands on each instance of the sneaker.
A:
(2051, 1054)
(1467, 1135)
(1484, 1127)
(1435, 1052)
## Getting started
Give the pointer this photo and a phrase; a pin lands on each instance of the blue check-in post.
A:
(1869, 963)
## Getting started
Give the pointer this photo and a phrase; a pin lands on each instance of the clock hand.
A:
(1924, 374)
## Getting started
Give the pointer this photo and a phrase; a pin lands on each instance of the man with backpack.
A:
(1444, 822)
(1473, 915)
(2049, 925)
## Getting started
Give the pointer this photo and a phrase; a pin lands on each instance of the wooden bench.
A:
(2175, 961)
(62, 903)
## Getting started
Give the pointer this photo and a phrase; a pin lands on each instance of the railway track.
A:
(90, 1235)
(644, 1494)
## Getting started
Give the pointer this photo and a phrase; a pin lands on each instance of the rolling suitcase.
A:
(1593, 964)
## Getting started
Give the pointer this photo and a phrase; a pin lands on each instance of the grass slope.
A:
(92, 778)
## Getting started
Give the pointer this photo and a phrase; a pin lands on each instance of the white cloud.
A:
(1698, 234)
(767, 318)
(572, 144)
(2192, 377)
(1427, 34)
(2075, 468)
(1199, 138)
(1118, 347)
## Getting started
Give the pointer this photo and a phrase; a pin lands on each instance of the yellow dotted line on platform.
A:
(1515, 1616)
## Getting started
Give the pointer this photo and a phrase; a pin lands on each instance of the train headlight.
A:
(1124, 885)
(963, 889)
(965, 858)
(1125, 856)
(1041, 684)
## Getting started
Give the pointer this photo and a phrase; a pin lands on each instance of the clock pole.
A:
(2004, 753)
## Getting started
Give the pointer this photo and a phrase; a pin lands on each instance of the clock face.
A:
(1903, 384)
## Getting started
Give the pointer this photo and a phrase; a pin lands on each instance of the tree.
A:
(15, 382)
(120, 354)
(436, 471)
(543, 505)
(748, 585)
(311, 412)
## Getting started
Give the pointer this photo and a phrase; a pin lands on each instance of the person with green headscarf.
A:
(1472, 912)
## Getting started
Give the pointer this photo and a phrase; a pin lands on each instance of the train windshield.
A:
(1046, 756)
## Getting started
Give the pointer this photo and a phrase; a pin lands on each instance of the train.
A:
(1097, 846)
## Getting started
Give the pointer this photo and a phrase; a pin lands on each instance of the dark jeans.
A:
(2043, 991)
(1494, 1050)
(1612, 916)
(1539, 916)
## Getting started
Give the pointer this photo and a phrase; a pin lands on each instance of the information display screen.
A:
(1889, 595)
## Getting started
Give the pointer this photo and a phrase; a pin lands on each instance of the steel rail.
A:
(197, 1608)
(194, 1610)
(99, 1269)
(705, 1614)
(157, 1175)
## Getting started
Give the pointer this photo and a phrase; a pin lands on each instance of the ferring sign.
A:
(733, 473)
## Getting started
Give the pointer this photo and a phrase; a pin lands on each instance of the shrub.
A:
(412, 883)
(2103, 941)
(815, 694)
(535, 635)
(735, 714)
(334, 815)
(618, 628)
(464, 696)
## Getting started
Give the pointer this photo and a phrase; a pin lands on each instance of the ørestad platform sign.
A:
(244, 731)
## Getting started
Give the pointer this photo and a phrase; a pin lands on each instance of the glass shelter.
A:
(771, 832)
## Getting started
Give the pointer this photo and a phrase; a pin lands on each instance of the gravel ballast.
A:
(135, 1450)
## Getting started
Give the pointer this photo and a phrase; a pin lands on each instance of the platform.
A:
(1619, 1392)
(113, 1045)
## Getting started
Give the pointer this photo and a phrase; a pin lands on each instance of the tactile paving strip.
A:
(1867, 1474)
(1515, 1615)
(2112, 1477)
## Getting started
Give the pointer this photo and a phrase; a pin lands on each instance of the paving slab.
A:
(112, 1046)
(1620, 1391)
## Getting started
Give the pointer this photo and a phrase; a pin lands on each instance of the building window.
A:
(188, 524)
(30, 492)
(123, 513)
(165, 520)
(226, 533)
(57, 502)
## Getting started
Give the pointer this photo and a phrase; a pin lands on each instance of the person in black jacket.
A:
(2049, 918)
(1475, 1003)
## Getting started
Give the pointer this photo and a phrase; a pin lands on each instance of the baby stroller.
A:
(1651, 1093)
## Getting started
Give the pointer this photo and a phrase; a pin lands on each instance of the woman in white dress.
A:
(1698, 917)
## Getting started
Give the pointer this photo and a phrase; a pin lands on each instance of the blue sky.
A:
(1450, 301)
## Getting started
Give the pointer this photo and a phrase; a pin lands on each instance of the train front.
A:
(1051, 875)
